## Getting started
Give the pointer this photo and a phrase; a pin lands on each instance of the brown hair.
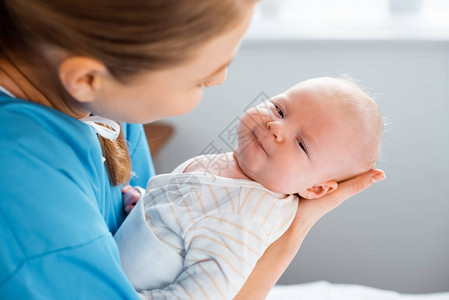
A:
(127, 36)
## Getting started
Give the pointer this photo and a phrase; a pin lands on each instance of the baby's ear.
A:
(319, 190)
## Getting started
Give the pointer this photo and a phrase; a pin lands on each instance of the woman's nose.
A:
(276, 130)
(217, 79)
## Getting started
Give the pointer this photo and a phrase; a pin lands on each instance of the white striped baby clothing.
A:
(219, 226)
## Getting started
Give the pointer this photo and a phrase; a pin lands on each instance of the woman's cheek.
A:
(195, 98)
(188, 102)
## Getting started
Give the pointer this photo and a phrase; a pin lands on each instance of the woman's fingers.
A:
(355, 185)
(310, 211)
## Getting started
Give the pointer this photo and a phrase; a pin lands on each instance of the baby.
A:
(198, 232)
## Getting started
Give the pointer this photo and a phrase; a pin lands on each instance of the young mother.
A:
(62, 62)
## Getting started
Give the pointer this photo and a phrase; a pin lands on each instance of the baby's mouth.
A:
(259, 143)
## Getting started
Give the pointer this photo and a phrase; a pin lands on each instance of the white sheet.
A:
(323, 290)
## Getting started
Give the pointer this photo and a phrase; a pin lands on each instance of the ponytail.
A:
(118, 162)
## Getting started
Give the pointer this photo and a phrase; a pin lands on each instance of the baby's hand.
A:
(130, 197)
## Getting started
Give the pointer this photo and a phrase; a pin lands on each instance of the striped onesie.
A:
(206, 231)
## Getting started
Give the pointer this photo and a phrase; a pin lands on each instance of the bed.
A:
(323, 290)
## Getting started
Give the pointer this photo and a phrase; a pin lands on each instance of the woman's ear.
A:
(82, 77)
(319, 190)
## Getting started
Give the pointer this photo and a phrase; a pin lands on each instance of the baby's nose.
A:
(275, 129)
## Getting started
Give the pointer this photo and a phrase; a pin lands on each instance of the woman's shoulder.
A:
(51, 180)
(21, 117)
(34, 132)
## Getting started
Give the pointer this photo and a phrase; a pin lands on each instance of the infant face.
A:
(301, 139)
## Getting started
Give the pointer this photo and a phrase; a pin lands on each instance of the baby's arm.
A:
(221, 251)
(130, 196)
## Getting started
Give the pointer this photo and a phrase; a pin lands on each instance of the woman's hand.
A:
(312, 210)
(278, 256)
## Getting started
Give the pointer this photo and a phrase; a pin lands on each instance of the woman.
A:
(63, 64)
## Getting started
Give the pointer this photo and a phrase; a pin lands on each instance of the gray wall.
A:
(394, 235)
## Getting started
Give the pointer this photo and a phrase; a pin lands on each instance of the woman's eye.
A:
(302, 145)
(279, 111)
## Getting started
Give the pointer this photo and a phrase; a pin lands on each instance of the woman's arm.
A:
(279, 255)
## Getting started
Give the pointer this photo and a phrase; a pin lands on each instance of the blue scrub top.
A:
(58, 211)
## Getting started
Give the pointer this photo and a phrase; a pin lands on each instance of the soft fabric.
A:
(207, 231)
(323, 290)
(58, 210)
(159, 267)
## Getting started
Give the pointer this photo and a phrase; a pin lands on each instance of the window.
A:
(354, 19)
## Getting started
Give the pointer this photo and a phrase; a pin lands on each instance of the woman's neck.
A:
(19, 80)
(11, 79)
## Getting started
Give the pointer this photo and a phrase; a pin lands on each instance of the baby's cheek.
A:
(280, 177)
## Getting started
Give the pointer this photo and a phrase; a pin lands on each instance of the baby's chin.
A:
(273, 186)
(255, 175)
(282, 190)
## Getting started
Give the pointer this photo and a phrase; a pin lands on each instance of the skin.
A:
(149, 96)
(301, 142)
(269, 152)
(295, 142)
(88, 81)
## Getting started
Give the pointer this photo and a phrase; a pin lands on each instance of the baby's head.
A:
(306, 140)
